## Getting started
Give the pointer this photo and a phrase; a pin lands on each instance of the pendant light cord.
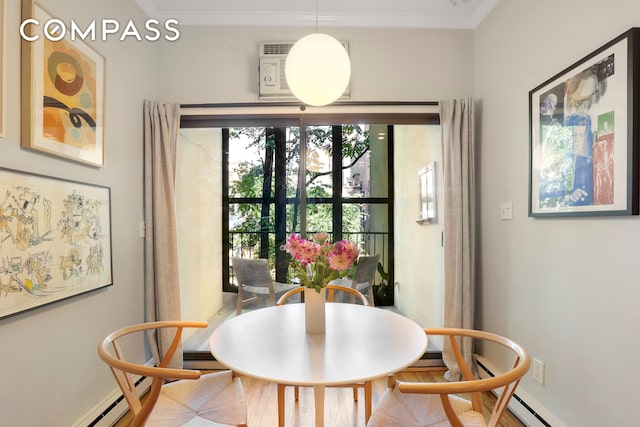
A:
(316, 16)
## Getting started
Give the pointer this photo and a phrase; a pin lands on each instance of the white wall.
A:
(419, 270)
(220, 65)
(566, 288)
(50, 370)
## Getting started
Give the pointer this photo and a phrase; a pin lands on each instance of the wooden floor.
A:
(340, 409)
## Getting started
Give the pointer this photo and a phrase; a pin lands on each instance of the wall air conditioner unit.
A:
(273, 82)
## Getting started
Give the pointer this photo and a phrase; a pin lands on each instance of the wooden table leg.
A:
(280, 405)
(318, 394)
(367, 401)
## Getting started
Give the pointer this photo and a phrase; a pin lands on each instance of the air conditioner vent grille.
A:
(276, 48)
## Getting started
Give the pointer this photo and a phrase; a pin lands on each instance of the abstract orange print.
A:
(70, 96)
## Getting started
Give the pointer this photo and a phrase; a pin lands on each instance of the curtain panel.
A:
(457, 124)
(162, 281)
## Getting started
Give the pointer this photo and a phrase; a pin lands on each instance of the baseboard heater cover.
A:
(111, 412)
(521, 405)
(113, 407)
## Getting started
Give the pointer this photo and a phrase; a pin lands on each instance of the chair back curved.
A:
(111, 352)
(459, 412)
(252, 272)
(365, 274)
(254, 281)
(331, 291)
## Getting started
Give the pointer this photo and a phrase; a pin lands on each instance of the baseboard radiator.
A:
(112, 407)
(527, 409)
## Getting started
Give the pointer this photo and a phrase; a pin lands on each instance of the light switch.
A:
(506, 210)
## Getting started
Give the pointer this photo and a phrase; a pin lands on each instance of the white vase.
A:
(314, 310)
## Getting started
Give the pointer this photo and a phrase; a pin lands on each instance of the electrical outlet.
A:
(538, 371)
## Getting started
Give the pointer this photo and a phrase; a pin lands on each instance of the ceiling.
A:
(454, 14)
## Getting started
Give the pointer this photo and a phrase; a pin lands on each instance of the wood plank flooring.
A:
(340, 408)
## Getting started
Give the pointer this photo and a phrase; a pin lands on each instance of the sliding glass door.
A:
(270, 176)
(244, 183)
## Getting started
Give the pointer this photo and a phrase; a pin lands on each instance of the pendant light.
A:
(318, 68)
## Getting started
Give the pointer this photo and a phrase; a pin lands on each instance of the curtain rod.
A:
(303, 106)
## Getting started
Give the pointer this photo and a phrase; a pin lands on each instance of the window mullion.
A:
(226, 241)
(336, 172)
(282, 262)
(265, 204)
(302, 178)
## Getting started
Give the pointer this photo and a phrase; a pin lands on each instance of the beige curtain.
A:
(457, 124)
(162, 284)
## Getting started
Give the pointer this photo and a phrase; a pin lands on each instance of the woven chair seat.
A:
(210, 401)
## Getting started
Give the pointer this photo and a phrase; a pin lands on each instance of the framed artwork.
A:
(62, 92)
(55, 240)
(583, 129)
(427, 181)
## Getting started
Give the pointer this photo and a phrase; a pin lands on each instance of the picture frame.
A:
(583, 135)
(428, 212)
(62, 92)
(55, 240)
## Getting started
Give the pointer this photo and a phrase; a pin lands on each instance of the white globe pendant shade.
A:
(318, 69)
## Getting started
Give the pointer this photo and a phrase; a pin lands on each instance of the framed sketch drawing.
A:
(427, 181)
(55, 240)
(62, 92)
(584, 135)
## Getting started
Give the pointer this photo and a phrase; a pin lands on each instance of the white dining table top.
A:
(360, 344)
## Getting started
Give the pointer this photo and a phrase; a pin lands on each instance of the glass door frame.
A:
(302, 121)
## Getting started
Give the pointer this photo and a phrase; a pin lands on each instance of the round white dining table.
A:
(360, 344)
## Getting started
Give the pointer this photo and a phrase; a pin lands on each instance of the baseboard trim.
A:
(108, 411)
(522, 405)
(429, 359)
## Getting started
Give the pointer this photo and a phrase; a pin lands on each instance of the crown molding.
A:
(452, 17)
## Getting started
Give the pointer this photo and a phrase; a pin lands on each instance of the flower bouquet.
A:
(317, 262)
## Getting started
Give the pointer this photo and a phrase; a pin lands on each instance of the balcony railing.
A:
(246, 244)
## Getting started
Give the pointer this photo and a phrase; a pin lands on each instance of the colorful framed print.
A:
(62, 91)
(55, 240)
(583, 129)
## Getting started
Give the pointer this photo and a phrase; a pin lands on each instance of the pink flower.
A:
(293, 245)
(339, 262)
(344, 253)
(320, 237)
(307, 253)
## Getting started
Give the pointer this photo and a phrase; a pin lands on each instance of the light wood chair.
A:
(365, 274)
(331, 294)
(254, 281)
(411, 404)
(213, 399)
